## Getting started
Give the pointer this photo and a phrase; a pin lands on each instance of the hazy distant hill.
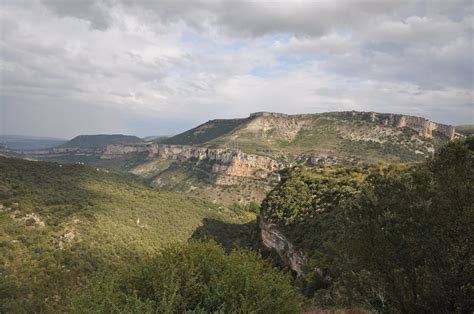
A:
(20, 142)
(100, 140)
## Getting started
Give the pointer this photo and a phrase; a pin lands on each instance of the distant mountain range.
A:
(20, 142)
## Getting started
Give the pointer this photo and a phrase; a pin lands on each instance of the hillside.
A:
(100, 140)
(236, 160)
(61, 224)
(345, 136)
(206, 132)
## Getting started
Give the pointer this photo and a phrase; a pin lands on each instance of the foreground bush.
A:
(393, 239)
(198, 277)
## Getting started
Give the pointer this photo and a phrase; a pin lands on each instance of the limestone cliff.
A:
(273, 239)
(230, 162)
(421, 125)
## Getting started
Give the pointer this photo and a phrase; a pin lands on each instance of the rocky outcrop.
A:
(229, 162)
(273, 239)
(423, 126)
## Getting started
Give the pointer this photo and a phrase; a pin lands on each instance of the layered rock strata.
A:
(230, 162)
(423, 126)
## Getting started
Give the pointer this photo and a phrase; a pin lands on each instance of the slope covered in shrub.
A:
(392, 239)
(194, 277)
(61, 224)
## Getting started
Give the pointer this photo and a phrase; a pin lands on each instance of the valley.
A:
(230, 161)
(292, 198)
(216, 156)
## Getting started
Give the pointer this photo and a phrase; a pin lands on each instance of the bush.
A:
(408, 240)
(198, 277)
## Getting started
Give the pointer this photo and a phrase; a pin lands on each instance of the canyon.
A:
(258, 146)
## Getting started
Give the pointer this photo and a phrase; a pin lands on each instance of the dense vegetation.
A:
(385, 238)
(198, 277)
(304, 204)
(392, 239)
(62, 224)
(101, 140)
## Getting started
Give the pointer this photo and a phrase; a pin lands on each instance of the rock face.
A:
(423, 126)
(275, 240)
(231, 162)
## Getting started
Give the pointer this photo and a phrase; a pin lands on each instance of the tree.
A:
(408, 238)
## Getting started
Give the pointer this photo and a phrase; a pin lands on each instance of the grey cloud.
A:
(93, 11)
(258, 18)
(60, 75)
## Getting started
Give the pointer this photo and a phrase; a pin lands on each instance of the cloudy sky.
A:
(160, 67)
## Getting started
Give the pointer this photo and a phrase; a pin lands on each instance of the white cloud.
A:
(186, 62)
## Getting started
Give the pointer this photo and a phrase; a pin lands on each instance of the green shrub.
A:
(198, 277)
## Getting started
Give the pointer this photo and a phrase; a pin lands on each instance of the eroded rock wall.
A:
(229, 162)
(293, 123)
(423, 126)
(273, 239)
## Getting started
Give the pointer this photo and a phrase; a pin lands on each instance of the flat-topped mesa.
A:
(423, 126)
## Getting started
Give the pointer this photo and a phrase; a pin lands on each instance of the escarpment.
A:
(423, 126)
(229, 162)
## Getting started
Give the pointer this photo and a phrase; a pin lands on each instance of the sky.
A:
(161, 67)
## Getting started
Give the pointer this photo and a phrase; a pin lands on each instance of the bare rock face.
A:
(229, 162)
(423, 126)
(246, 165)
(275, 240)
(270, 126)
(266, 125)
